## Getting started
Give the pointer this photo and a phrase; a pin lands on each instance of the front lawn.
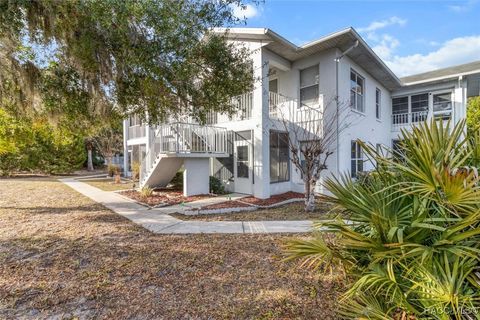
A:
(108, 184)
(292, 211)
(64, 256)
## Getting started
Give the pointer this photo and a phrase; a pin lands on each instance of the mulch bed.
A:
(166, 197)
(273, 199)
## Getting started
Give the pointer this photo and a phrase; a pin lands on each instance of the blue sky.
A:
(410, 36)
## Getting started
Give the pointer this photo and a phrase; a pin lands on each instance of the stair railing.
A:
(182, 138)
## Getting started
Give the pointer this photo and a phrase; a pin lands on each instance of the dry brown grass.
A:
(292, 211)
(63, 256)
(108, 184)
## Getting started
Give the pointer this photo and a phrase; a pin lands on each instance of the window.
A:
(400, 110)
(309, 81)
(242, 162)
(356, 91)
(442, 106)
(357, 159)
(279, 157)
(273, 86)
(419, 105)
(378, 99)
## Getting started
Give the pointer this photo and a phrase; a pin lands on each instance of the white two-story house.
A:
(249, 153)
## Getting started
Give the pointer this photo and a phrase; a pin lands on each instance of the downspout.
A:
(337, 62)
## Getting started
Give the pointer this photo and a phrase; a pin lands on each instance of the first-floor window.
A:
(279, 157)
(357, 159)
(378, 103)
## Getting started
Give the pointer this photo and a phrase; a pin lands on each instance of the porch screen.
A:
(279, 157)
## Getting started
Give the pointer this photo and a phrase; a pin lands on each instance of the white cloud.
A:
(452, 52)
(384, 44)
(377, 25)
(245, 11)
(463, 7)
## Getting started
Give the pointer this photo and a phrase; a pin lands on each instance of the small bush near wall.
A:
(113, 169)
(216, 186)
(136, 170)
(177, 181)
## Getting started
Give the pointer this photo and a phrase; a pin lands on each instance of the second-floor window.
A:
(378, 103)
(419, 105)
(357, 90)
(400, 110)
(309, 81)
(442, 106)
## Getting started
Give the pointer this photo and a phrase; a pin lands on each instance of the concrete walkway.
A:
(158, 220)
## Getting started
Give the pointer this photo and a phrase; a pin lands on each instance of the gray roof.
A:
(443, 74)
(363, 55)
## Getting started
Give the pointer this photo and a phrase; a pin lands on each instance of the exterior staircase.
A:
(174, 142)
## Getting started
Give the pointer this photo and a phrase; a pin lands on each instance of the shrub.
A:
(412, 244)
(113, 170)
(35, 145)
(146, 192)
(177, 181)
(136, 170)
(216, 186)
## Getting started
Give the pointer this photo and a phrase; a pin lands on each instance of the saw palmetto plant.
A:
(410, 241)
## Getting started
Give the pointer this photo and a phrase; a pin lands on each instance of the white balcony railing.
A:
(243, 103)
(137, 131)
(278, 102)
(405, 119)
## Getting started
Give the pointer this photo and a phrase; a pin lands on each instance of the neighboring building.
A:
(251, 156)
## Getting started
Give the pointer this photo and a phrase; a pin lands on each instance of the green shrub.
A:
(177, 181)
(37, 146)
(412, 243)
(216, 186)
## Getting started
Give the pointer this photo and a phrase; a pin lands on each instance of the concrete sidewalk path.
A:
(158, 220)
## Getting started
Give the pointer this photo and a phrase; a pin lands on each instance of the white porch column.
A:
(261, 134)
(125, 147)
(196, 177)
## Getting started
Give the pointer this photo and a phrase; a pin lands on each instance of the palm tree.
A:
(412, 240)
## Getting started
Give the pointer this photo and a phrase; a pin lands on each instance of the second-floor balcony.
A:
(244, 106)
(406, 119)
(136, 131)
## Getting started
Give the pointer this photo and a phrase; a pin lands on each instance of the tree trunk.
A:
(89, 159)
(309, 196)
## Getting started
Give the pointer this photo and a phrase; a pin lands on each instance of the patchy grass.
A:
(292, 211)
(108, 184)
(63, 256)
(162, 197)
